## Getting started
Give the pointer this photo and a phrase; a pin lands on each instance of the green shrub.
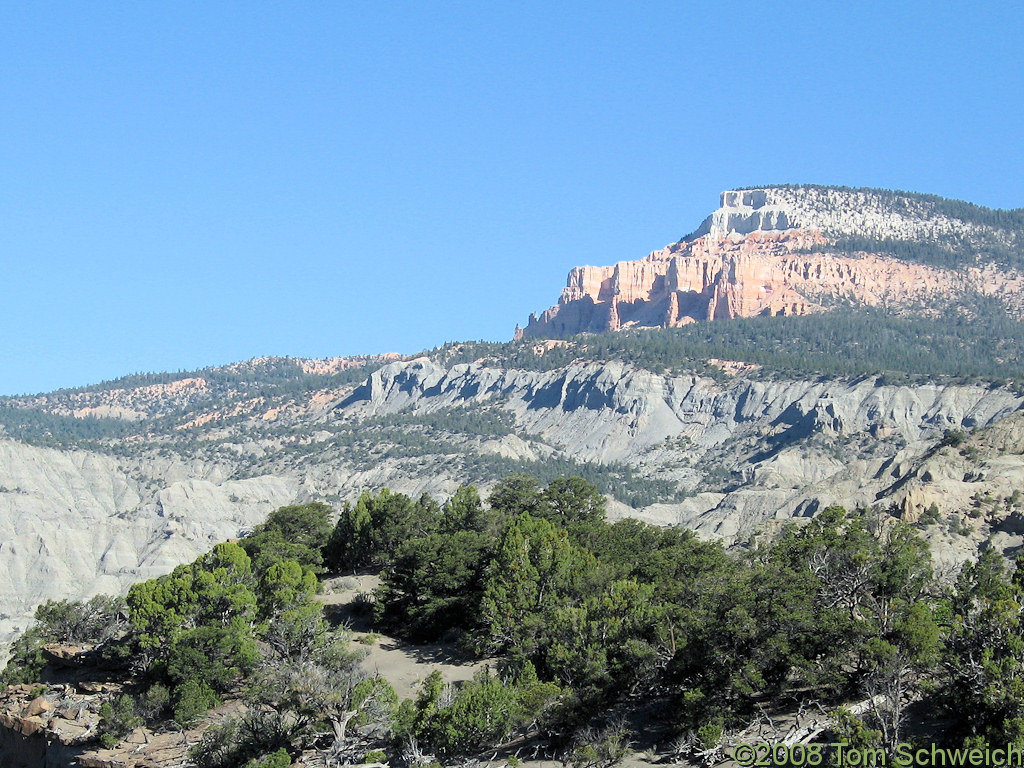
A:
(117, 719)
(484, 711)
(94, 621)
(954, 438)
(930, 516)
(154, 703)
(296, 533)
(26, 662)
(600, 748)
(218, 748)
(77, 622)
(278, 759)
(709, 735)
(191, 700)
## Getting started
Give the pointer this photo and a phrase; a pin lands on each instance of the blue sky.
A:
(191, 184)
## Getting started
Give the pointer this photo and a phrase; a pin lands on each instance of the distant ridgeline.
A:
(205, 413)
(160, 403)
(970, 340)
(798, 250)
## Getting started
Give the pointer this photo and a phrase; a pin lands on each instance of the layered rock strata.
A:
(767, 252)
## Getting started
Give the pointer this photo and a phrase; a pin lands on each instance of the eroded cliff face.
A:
(751, 453)
(742, 450)
(76, 523)
(768, 252)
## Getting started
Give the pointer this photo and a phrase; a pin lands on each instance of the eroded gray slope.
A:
(73, 523)
(747, 450)
(612, 411)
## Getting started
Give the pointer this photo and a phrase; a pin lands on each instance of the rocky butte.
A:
(792, 251)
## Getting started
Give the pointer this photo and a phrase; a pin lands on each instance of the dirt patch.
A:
(347, 602)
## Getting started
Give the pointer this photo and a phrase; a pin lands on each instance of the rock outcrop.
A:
(772, 252)
(45, 727)
(872, 214)
(60, 727)
(788, 447)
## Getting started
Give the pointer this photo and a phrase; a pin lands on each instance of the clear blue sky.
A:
(190, 184)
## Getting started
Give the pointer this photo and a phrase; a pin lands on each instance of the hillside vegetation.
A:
(976, 343)
(588, 623)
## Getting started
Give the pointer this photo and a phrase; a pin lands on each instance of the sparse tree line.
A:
(585, 621)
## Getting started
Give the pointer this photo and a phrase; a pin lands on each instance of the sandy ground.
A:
(401, 664)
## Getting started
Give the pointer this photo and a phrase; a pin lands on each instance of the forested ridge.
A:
(972, 341)
(977, 342)
(587, 625)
